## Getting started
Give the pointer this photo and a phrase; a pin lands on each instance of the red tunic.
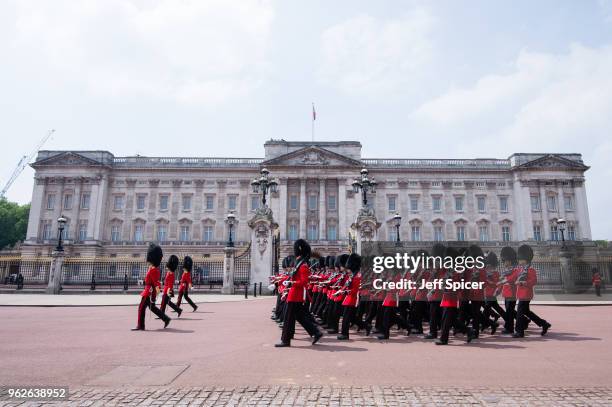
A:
(421, 293)
(151, 281)
(508, 288)
(185, 281)
(435, 294)
(168, 282)
(342, 283)
(450, 298)
(350, 300)
(299, 281)
(596, 279)
(491, 285)
(525, 279)
(477, 276)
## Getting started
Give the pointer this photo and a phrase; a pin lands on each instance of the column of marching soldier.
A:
(318, 291)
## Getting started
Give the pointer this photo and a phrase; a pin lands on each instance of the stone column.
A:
(38, 200)
(322, 210)
(283, 201)
(544, 210)
(567, 278)
(341, 202)
(582, 215)
(262, 231)
(561, 199)
(228, 270)
(55, 272)
(302, 209)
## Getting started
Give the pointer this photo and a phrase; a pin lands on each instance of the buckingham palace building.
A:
(115, 205)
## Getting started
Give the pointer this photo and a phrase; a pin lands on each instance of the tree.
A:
(13, 222)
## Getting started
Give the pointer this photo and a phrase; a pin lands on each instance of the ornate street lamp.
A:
(397, 221)
(265, 184)
(61, 222)
(231, 221)
(364, 185)
(561, 225)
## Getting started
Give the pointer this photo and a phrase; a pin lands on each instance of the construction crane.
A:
(24, 162)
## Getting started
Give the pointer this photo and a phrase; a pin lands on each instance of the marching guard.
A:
(185, 284)
(168, 292)
(151, 288)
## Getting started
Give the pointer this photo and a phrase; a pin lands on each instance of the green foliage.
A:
(13, 223)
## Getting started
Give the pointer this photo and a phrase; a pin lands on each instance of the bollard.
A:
(20, 281)
(246, 291)
(254, 289)
(93, 281)
(125, 282)
(260, 289)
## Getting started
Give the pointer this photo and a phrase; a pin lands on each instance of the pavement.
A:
(117, 299)
(93, 300)
(223, 354)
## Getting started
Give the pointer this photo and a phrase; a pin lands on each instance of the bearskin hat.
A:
(322, 262)
(451, 252)
(285, 262)
(188, 263)
(525, 252)
(353, 262)
(491, 259)
(438, 250)
(301, 248)
(330, 261)
(154, 254)
(291, 261)
(343, 259)
(508, 254)
(422, 252)
(172, 263)
(475, 251)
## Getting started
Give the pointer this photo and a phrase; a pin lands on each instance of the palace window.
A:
(551, 202)
(231, 202)
(138, 233)
(312, 232)
(537, 233)
(482, 204)
(506, 233)
(461, 233)
(210, 202)
(115, 233)
(184, 235)
(437, 204)
(46, 230)
(209, 233)
(483, 233)
(571, 232)
(438, 233)
(331, 232)
(66, 231)
(140, 202)
(391, 200)
(503, 204)
(118, 202)
(415, 233)
(162, 232)
(51, 201)
(163, 202)
(554, 232)
(535, 203)
(569, 202)
(312, 202)
(459, 203)
(68, 201)
(293, 202)
(331, 203)
(254, 202)
(293, 231)
(186, 202)
(83, 230)
(85, 198)
(414, 203)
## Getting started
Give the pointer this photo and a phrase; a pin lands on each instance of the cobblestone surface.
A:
(335, 396)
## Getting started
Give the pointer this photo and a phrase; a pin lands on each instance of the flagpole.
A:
(314, 117)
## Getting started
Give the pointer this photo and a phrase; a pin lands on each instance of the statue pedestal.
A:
(228, 270)
(365, 227)
(262, 232)
(55, 272)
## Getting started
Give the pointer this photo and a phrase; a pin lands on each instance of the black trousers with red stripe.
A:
(297, 312)
(145, 302)
(185, 293)
(167, 301)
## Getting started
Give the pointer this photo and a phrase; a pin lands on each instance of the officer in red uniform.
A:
(508, 289)
(434, 296)
(151, 287)
(492, 307)
(596, 280)
(337, 296)
(419, 309)
(351, 291)
(525, 280)
(476, 296)
(185, 284)
(171, 266)
(295, 298)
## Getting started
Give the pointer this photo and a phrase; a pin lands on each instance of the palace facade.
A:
(114, 205)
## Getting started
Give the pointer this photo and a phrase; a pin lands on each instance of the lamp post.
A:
(264, 184)
(561, 225)
(231, 221)
(61, 222)
(365, 185)
(397, 220)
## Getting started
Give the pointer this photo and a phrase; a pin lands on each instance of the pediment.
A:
(66, 158)
(552, 162)
(312, 157)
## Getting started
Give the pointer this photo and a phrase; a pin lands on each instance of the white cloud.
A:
(365, 54)
(549, 103)
(195, 52)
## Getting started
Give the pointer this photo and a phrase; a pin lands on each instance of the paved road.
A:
(231, 345)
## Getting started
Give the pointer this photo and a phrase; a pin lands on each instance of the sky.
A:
(408, 79)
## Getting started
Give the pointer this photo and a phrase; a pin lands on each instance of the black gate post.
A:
(254, 289)
(125, 282)
(93, 281)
